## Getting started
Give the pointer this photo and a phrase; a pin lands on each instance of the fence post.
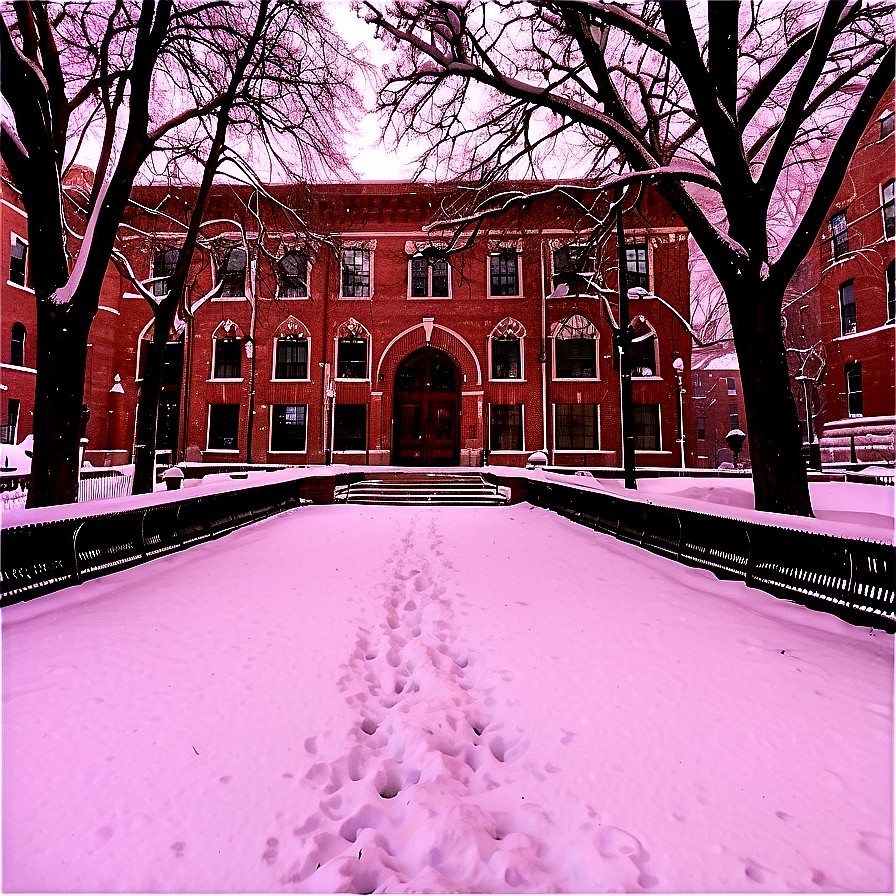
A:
(78, 528)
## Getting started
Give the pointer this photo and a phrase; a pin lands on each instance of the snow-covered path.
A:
(441, 699)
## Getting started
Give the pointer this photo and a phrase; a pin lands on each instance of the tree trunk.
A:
(780, 483)
(148, 412)
(59, 395)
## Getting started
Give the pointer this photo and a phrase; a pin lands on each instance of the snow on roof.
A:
(714, 359)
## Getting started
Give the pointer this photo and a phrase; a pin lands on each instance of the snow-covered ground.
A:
(354, 698)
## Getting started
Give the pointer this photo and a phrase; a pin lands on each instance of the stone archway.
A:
(426, 409)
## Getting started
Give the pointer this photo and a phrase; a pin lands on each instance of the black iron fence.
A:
(45, 557)
(850, 577)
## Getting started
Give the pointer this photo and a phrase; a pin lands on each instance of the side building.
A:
(856, 301)
(326, 322)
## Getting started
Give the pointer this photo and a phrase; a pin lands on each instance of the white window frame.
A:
(351, 379)
(237, 336)
(577, 450)
(891, 182)
(245, 294)
(429, 296)
(208, 429)
(519, 379)
(13, 237)
(556, 247)
(659, 424)
(656, 352)
(274, 378)
(576, 379)
(502, 451)
(307, 295)
(371, 250)
(271, 428)
(500, 250)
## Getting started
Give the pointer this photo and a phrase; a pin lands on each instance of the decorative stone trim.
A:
(576, 326)
(509, 328)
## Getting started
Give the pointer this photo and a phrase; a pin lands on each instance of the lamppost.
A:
(678, 365)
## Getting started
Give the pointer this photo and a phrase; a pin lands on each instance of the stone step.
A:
(422, 489)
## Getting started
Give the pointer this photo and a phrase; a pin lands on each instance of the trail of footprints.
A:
(399, 811)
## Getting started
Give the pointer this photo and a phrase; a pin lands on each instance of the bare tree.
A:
(151, 80)
(711, 105)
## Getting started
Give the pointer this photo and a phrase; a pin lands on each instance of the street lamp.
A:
(678, 365)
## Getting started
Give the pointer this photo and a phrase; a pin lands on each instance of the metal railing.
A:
(45, 557)
(850, 577)
(95, 483)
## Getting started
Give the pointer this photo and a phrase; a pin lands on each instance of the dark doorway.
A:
(425, 409)
(169, 398)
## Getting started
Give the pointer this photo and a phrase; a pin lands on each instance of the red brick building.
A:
(716, 401)
(338, 333)
(857, 305)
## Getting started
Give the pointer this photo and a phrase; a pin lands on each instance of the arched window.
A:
(352, 342)
(227, 342)
(575, 349)
(644, 345)
(163, 266)
(17, 345)
(292, 275)
(233, 273)
(506, 348)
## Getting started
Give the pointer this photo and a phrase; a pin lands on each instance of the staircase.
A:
(424, 489)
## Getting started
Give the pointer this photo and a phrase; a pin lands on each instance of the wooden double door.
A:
(426, 411)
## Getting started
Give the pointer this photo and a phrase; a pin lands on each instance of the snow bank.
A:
(364, 699)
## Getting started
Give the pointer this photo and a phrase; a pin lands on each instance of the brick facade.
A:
(436, 379)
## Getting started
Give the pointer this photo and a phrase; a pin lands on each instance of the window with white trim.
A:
(571, 266)
(637, 272)
(292, 275)
(18, 261)
(17, 344)
(886, 125)
(289, 427)
(9, 430)
(848, 319)
(505, 427)
(355, 273)
(575, 349)
(577, 427)
(506, 350)
(733, 417)
(223, 427)
(732, 385)
(350, 427)
(647, 427)
(228, 358)
(429, 279)
(854, 403)
(291, 357)
(839, 235)
(233, 273)
(889, 209)
(352, 343)
(643, 354)
(504, 273)
(163, 266)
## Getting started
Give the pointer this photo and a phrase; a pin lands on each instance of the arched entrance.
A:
(426, 408)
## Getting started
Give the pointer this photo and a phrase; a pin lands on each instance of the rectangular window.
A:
(891, 292)
(701, 426)
(577, 427)
(288, 427)
(233, 273)
(163, 266)
(848, 321)
(350, 431)
(18, 261)
(840, 236)
(636, 270)
(576, 359)
(505, 275)
(506, 429)
(506, 359)
(732, 389)
(854, 389)
(8, 431)
(647, 427)
(223, 427)
(889, 210)
(351, 361)
(697, 380)
(429, 279)
(643, 357)
(292, 275)
(733, 418)
(886, 125)
(291, 358)
(572, 264)
(356, 273)
(228, 359)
